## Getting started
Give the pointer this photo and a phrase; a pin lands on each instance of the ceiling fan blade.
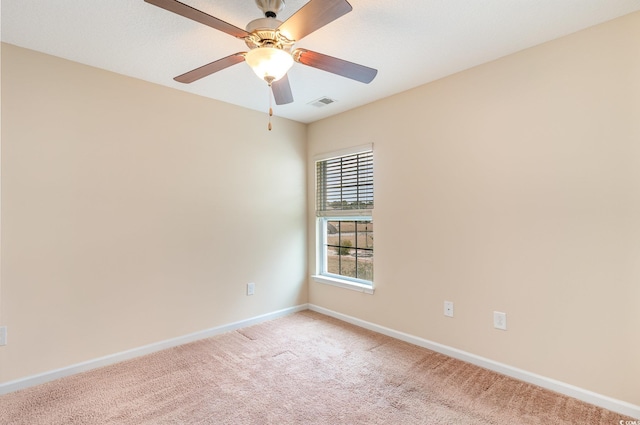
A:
(312, 16)
(210, 68)
(282, 91)
(337, 66)
(199, 16)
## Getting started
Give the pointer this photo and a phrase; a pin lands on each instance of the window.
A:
(344, 205)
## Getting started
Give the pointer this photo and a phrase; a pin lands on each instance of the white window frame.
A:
(321, 275)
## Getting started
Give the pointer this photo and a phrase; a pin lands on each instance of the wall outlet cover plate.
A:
(500, 320)
(448, 308)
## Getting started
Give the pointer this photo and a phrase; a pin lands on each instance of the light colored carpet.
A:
(301, 369)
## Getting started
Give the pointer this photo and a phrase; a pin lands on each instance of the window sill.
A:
(347, 284)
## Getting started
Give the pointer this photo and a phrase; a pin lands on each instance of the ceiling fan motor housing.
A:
(264, 33)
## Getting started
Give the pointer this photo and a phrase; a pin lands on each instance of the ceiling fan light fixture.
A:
(269, 63)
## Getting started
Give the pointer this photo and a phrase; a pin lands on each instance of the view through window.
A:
(349, 248)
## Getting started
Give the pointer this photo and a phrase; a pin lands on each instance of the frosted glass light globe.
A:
(269, 63)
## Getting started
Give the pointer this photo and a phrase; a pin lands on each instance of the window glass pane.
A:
(349, 248)
(364, 231)
(364, 260)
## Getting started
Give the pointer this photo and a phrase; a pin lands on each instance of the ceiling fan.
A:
(270, 42)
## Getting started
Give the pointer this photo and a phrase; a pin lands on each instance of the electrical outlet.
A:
(448, 308)
(500, 320)
(3, 335)
(251, 288)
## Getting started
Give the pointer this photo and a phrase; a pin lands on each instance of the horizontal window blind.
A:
(345, 185)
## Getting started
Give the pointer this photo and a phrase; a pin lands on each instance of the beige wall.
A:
(513, 186)
(133, 213)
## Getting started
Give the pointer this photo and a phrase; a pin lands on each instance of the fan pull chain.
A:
(270, 108)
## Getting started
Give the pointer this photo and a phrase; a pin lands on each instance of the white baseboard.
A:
(596, 399)
(30, 381)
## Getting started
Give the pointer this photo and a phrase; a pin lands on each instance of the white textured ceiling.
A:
(411, 42)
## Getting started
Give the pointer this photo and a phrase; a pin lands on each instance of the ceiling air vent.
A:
(323, 101)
